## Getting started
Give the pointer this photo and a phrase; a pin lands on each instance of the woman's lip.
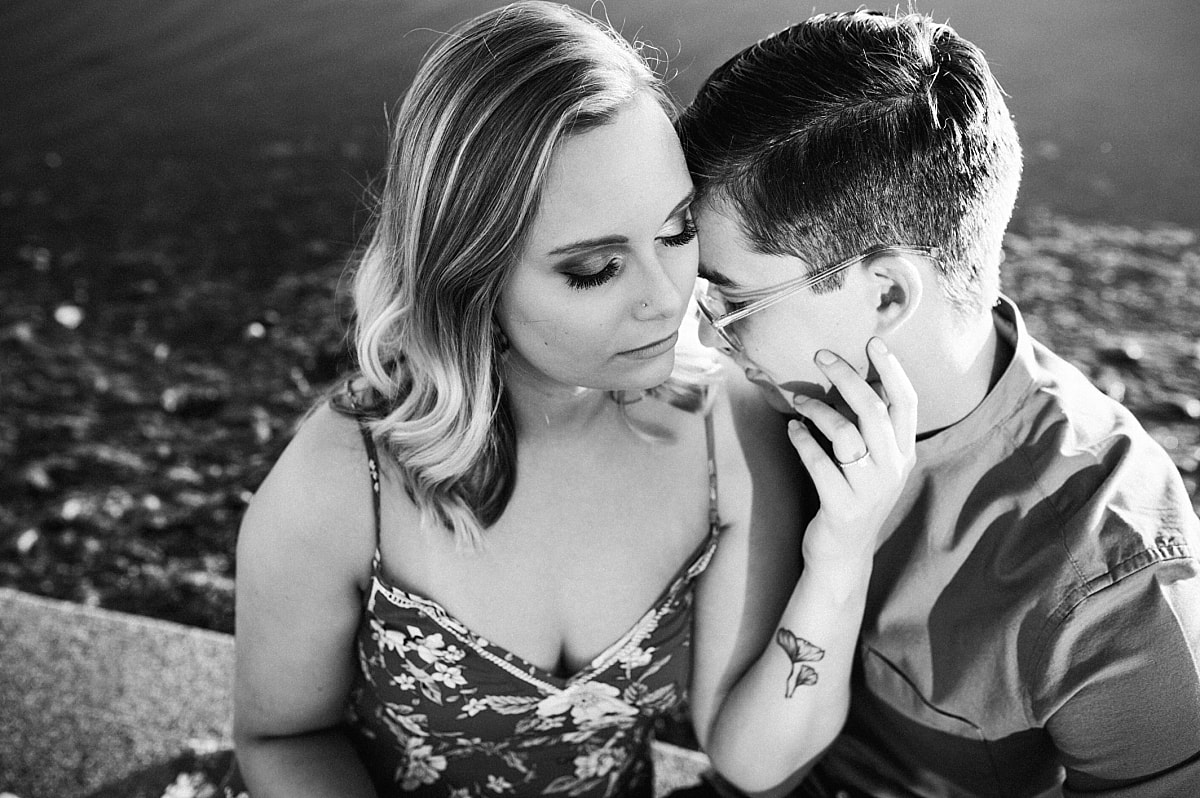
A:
(653, 349)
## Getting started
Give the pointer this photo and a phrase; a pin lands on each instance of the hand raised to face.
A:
(871, 459)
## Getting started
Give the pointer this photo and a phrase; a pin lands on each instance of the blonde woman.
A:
(473, 570)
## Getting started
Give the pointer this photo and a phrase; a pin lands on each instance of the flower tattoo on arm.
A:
(799, 651)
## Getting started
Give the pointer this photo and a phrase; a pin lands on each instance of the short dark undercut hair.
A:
(861, 128)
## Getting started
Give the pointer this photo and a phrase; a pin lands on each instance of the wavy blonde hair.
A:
(468, 157)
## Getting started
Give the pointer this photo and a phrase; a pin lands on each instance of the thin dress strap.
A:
(373, 467)
(714, 515)
(372, 464)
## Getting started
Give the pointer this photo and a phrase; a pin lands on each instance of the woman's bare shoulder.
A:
(316, 501)
(754, 456)
(303, 565)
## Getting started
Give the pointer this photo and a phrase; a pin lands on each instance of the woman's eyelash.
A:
(684, 236)
(613, 267)
(585, 281)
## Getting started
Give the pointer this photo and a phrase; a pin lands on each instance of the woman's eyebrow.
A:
(588, 243)
(608, 241)
(683, 203)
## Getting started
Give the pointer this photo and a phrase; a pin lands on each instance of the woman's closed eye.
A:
(686, 234)
(586, 277)
(593, 272)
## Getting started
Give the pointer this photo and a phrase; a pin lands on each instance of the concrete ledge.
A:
(92, 697)
(102, 704)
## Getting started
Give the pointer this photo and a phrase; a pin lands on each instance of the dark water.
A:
(1104, 92)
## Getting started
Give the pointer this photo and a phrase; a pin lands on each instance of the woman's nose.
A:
(660, 297)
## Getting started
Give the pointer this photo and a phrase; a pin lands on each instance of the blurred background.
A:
(183, 181)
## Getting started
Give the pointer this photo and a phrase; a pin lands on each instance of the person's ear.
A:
(900, 285)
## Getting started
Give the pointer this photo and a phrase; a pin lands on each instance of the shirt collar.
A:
(1004, 399)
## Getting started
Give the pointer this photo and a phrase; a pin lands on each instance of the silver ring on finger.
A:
(859, 461)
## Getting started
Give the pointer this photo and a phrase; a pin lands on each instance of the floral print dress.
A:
(437, 710)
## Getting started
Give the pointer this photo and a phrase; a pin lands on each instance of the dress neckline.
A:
(534, 673)
(519, 666)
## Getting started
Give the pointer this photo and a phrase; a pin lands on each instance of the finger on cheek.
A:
(798, 433)
(825, 358)
(802, 439)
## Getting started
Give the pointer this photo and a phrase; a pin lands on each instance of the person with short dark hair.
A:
(1032, 624)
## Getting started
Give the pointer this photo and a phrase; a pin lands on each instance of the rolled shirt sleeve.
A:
(1120, 685)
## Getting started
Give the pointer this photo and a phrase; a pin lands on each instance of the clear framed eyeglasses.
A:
(721, 313)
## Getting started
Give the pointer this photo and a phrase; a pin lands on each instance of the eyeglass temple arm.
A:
(778, 293)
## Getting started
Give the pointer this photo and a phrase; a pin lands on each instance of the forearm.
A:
(791, 703)
(320, 764)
